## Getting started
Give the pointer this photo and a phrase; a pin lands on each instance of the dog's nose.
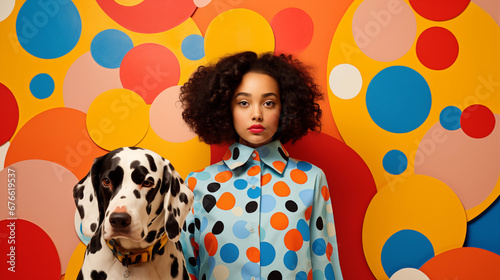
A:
(119, 219)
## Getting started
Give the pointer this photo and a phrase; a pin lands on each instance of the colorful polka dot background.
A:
(411, 125)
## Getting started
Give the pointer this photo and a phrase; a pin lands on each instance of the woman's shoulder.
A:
(306, 166)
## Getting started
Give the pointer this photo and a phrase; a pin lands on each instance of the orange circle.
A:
(298, 176)
(308, 213)
(329, 251)
(226, 201)
(254, 170)
(223, 176)
(192, 183)
(227, 155)
(253, 254)
(279, 221)
(266, 178)
(279, 165)
(325, 192)
(293, 240)
(211, 244)
(281, 189)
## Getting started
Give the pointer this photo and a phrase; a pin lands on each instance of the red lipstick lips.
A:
(256, 128)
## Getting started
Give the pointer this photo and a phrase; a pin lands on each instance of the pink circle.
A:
(293, 30)
(439, 10)
(165, 117)
(149, 16)
(85, 80)
(384, 30)
(37, 182)
(477, 121)
(35, 254)
(149, 69)
(437, 48)
(9, 114)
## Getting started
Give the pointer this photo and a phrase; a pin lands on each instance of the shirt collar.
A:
(273, 155)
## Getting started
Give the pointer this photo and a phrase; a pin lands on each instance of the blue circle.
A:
(319, 247)
(239, 229)
(267, 254)
(304, 166)
(204, 175)
(42, 86)
(395, 162)
(268, 203)
(240, 184)
(405, 248)
(48, 29)
(301, 276)
(303, 228)
(398, 99)
(193, 47)
(253, 192)
(250, 270)
(307, 197)
(450, 118)
(329, 274)
(109, 47)
(229, 253)
(290, 260)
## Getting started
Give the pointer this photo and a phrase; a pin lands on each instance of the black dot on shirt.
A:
(319, 223)
(218, 228)
(197, 223)
(251, 206)
(275, 275)
(213, 187)
(236, 153)
(209, 202)
(291, 206)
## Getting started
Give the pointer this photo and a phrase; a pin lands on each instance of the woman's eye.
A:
(106, 182)
(243, 103)
(147, 184)
(269, 103)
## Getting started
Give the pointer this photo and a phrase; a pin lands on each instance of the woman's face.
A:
(256, 109)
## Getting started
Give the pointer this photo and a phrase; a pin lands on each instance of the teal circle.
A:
(109, 47)
(449, 118)
(395, 162)
(42, 86)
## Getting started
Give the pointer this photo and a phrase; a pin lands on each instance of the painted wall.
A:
(411, 126)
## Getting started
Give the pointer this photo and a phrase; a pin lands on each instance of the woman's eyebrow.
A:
(265, 95)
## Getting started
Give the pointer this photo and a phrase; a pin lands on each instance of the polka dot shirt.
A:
(259, 214)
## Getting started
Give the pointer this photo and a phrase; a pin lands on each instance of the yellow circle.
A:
(129, 3)
(75, 262)
(235, 31)
(420, 203)
(117, 118)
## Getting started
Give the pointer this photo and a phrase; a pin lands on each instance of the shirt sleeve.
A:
(324, 248)
(189, 245)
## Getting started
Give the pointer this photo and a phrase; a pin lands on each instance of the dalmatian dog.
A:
(133, 204)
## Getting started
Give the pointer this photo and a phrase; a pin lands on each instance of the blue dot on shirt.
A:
(42, 86)
(405, 248)
(329, 274)
(253, 192)
(109, 47)
(267, 254)
(229, 253)
(240, 184)
(319, 247)
(250, 270)
(307, 197)
(204, 175)
(268, 203)
(301, 276)
(290, 260)
(450, 118)
(303, 228)
(304, 166)
(395, 162)
(239, 229)
(398, 99)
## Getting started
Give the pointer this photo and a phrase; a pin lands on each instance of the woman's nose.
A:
(256, 115)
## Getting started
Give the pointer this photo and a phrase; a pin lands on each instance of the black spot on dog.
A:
(165, 187)
(81, 211)
(78, 192)
(160, 232)
(139, 173)
(151, 236)
(137, 194)
(185, 275)
(172, 226)
(148, 209)
(93, 227)
(183, 198)
(95, 243)
(123, 197)
(150, 196)
(175, 187)
(91, 197)
(174, 268)
(152, 164)
(80, 275)
(101, 275)
(160, 209)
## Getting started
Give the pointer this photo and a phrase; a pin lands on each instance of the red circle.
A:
(149, 69)
(437, 48)
(477, 121)
(439, 10)
(9, 114)
(293, 30)
(33, 253)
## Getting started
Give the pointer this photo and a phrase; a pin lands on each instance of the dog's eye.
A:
(106, 182)
(147, 184)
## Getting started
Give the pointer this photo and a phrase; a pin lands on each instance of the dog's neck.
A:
(136, 255)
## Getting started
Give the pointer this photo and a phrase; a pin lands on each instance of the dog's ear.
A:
(177, 202)
(86, 198)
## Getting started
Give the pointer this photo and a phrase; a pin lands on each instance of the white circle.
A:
(6, 8)
(345, 81)
(221, 272)
(237, 211)
(409, 274)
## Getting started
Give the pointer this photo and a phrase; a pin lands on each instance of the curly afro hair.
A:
(207, 96)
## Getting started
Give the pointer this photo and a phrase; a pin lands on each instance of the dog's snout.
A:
(120, 220)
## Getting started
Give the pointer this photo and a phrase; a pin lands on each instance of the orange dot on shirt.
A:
(253, 254)
(325, 192)
(223, 176)
(329, 251)
(308, 213)
(266, 178)
(293, 240)
(279, 165)
(281, 189)
(298, 176)
(226, 201)
(192, 183)
(227, 155)
(254, 170)
(211, 244)
(279, 221)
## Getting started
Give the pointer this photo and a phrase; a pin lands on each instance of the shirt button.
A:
(254, 155)
(251, 230)
(253, 278)
(254, 186)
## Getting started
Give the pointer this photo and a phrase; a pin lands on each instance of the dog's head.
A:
(133, 194)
